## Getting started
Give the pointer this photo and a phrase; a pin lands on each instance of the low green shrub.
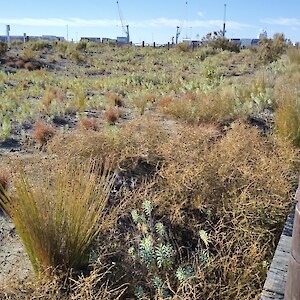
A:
(75, 55)
(224, 44)
(38, 45)
(183, 47)
(81, 46)
(270, 50)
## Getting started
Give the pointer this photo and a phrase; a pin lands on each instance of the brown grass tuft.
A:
(10, 64)
(151, 98)
(29, 66)
(112, 115)
(165, 102)
(43, 132)
(89, 123)
(20, 64)
(115, 99)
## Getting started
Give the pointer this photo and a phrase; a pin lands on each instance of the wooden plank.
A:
(276, 279)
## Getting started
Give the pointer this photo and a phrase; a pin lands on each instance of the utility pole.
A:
(7, 34)
(67, 33)
(178, 30)
(224, 24)
(127, 34)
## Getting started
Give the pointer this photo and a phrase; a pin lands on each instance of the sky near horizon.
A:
(150, 21)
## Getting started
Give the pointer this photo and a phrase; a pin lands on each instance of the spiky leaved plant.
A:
(152, 250)
(58, 222)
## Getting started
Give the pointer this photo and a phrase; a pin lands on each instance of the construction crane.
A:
(125, 27)
(179, 28)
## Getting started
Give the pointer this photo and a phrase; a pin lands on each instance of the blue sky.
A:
(150, 21)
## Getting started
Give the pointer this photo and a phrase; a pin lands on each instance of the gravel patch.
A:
(14, 262)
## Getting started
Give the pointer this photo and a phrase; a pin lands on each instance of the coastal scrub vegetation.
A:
(148, 173)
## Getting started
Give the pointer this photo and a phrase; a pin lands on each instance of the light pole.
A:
(224, 24)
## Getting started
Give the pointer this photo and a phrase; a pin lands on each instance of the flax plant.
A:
(59, 222)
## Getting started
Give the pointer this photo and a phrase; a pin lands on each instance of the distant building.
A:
(52, 38)
(91, 39)
(3, 38)
(122, 40)
(245, 43)
(105, 40)
(237, 42)
(254, 42)
(187, 41)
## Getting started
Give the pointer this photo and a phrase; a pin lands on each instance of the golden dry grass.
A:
(215, 106)
(96, 285)
(237, 187)
(59, 221)
(287, 118)
(233, 182)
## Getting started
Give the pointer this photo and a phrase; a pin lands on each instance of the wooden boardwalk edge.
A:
(275, 283)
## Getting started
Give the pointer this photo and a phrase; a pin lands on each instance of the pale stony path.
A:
(14, 262)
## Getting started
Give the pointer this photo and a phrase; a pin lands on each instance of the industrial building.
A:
(24, 38)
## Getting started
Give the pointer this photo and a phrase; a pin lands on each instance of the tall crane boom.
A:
(125, 27)
(179, 28)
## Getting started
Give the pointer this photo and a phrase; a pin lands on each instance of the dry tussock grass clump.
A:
(216, 172)
(43, 132)
(287, 114)
(112, 115)
(237, 188)
(59, 221)
(135, 139)
(213, 106)
(294, 55)
(20, 64)
(29, 54)
(84, 144)
(115, 99)
(29, 66)
(89, 124)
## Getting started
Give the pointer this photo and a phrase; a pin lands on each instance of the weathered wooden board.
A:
(276, 279)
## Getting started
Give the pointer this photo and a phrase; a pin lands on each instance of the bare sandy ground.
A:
(14, 262)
